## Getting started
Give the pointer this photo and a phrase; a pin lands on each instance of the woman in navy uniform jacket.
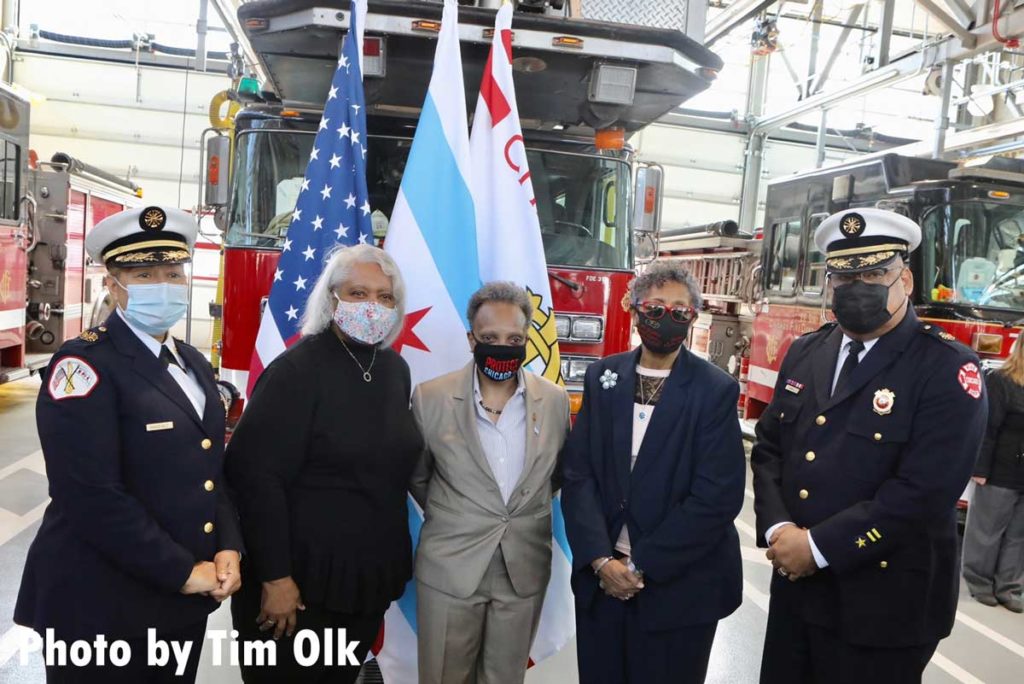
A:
(654, 474)
(139, 533)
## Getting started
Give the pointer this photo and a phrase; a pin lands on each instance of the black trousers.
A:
(612, 648)
(245, 608)
(796, 652)
(137, 671)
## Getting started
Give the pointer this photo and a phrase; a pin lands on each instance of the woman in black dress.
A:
(320, 465)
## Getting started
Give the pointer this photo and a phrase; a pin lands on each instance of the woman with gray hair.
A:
(653, 478)
(320, 464)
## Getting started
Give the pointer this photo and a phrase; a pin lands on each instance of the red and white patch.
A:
(72, 378)
(970, 379)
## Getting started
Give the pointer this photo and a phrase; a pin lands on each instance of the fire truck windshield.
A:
(973, 254)
(582, 199)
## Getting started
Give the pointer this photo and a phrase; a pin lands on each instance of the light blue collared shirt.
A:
(504, 441)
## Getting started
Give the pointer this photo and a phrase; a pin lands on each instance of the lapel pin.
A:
(883, 401)
(609, 379)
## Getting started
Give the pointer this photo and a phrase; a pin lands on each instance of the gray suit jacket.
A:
(465, 516)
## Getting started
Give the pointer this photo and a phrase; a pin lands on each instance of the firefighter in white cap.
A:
(860, 458)
(139, 533)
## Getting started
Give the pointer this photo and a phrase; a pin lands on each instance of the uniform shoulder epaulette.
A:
(938, 333)
(825, 328)
(94, 334)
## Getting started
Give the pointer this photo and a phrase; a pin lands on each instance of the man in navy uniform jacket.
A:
(870, 438)
(140, 533)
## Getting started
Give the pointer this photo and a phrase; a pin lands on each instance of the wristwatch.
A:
(633, 569)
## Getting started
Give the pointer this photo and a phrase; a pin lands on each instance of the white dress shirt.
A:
(844, 351)
(642, 414)
(504, 441)
(186, 379)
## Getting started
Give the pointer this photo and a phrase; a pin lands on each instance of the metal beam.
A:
(819, 146)
(732, 16)
(819, 81)
(962, 11)
(949, 22)
(942, 116)
(812, 61)
(906, 67)
(885, 32)
(753, 156)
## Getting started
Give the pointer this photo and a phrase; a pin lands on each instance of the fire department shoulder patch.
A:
(72, 378)
(970, 379)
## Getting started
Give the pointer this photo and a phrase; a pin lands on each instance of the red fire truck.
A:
(968, 271)
(49, 289)
(582, 88)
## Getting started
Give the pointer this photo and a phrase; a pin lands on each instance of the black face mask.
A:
(661, 336)
(862, 308)
(499, 362)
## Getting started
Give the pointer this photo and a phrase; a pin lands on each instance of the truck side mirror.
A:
(218, 164)
(647, 199)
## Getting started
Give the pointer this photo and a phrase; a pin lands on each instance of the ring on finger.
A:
(782, 571)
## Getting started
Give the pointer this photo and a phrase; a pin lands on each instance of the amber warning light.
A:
(610, 139)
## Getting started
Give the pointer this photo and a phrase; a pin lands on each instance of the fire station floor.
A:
(987, 644)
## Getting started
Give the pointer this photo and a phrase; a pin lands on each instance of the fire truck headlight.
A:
(588, 328)
(563, 325)
(574, 369)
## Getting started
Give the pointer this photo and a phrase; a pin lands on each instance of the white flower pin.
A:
(609, 379)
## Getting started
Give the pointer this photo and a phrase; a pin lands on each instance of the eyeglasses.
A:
(875, 276)
(656, 311)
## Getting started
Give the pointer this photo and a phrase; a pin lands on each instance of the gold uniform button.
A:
(883, 565)
(208, 528)
(878, 436)
(804, 493)
(810, 456)
(821, 420)
(208, 485)
(206, 444)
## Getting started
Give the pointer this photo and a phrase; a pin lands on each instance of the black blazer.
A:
(680, 500)
(875, 482)
(1002, 452)
(129, 466)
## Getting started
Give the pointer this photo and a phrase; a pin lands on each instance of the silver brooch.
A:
(609, 379)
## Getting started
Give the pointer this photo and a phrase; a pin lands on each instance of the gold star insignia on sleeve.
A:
(861, 543)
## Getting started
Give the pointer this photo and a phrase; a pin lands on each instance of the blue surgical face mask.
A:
(155, 308)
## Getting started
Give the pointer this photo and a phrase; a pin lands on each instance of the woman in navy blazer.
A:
(654, 473)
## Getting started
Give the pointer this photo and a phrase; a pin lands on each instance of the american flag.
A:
(333, 207)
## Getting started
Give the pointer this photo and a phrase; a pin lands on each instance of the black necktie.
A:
(168, 358)
(855, 348)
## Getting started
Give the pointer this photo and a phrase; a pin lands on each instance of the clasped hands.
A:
(790, 553)
(218, 579)
(618, 581)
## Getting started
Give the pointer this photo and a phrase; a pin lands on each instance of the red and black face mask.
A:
(499, 362)
(662, 335)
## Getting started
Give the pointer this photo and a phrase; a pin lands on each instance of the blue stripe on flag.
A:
(407, 602)
(558, 527)
(442, 204)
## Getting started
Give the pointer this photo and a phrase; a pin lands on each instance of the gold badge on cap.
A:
(883, 401)
(852, 225)
(153, 218)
